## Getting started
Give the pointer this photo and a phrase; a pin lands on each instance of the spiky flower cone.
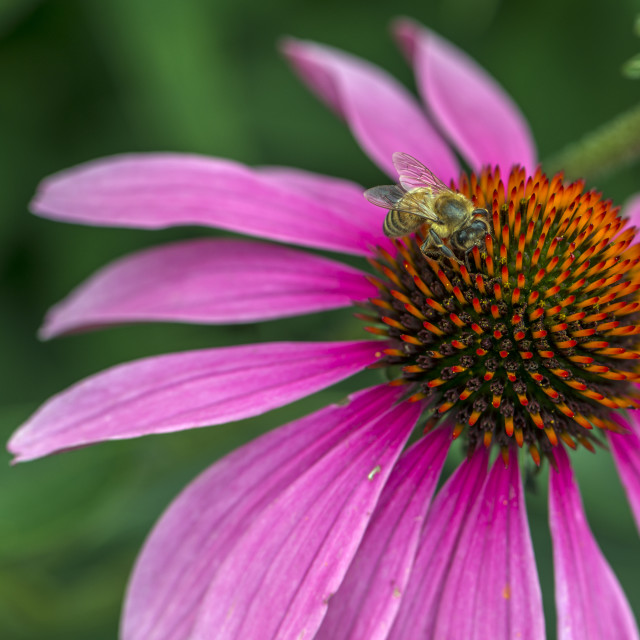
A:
(536, 342)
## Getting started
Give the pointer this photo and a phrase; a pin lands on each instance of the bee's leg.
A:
(467, 261)
(426, 246)
(434, 238)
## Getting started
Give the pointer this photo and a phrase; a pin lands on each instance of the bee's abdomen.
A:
(400, 223)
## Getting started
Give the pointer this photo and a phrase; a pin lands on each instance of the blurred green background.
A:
(82, 79)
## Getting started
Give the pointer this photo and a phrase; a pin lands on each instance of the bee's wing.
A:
(413, 174)
(386, 196)
(395, 197)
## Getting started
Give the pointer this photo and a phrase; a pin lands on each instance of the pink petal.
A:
(368, 599)
(185, 390)
(162, 190)
(278, 579)
(437, 548)
(590, 602)
(625, 448)
(492, 588)
(343, 196)
(471, 107)
(208, 281)
(631, 210)
(201, 527)
(382, 114)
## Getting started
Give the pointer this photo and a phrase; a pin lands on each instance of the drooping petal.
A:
(631, 210)
(185, 390)
(437, 548)
(625, 448)
(278, 579)
(346, 198)
(208, 281)
(492, 588)
(368, 598)
(589, 600)
(200, 528)
(158, 190)
(382, 114)
(475, 112)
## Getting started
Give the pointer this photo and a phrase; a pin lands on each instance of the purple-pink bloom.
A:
(331, 526)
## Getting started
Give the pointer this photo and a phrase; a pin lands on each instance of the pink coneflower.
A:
(330, 526)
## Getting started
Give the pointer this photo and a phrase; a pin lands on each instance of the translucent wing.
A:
(396, 198)
(413, 174)
(387, 196)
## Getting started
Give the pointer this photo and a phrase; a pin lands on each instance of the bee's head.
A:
(474, 233)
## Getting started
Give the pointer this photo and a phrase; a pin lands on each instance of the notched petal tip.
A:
(403, 30)
(38, 203)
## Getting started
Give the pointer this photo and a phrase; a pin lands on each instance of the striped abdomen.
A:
(401, 223)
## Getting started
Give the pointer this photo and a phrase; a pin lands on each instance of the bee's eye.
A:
(474, 233)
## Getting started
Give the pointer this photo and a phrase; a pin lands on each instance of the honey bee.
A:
(420, 198)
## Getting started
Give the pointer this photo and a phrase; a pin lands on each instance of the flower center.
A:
(535, 339)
